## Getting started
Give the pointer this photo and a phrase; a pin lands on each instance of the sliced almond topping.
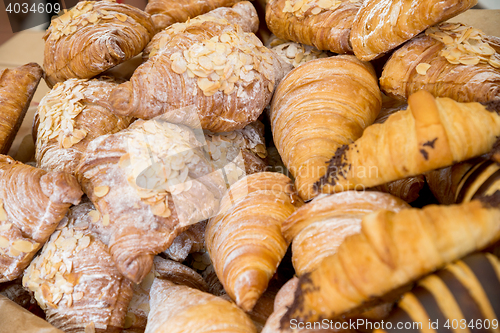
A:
(77, 296)
(316, 11)
(66, 142)
(4, 242)
(13, 252)
(121, 17)
(94, 216)
(83, 243)
(45, 289)
(3, 213)
(23, 246)
(90, 328)
(105, 220)
(422, 68)
(159, 208)
(101, 191)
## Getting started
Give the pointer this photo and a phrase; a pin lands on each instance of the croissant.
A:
(71, 115)
(466, 291)
(167, 12)
(407, 189)
(17, 87)
(148, 184)
(92, 37)
(324, 24)
(225, 76)
(392, 250)
(180, 309)
(465, 181)
(76, 282)
(450, 60)
(244, 239)
(431, 134)
(32, 203)
(382, 25)
(319, 227)
(319, 107)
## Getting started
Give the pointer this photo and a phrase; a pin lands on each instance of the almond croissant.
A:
(391, 251)
(224, 75)
(319, 227)
(148, 184)
(92, 37)
(244, 240)
(382, 25)
(432, 133)
(317, 108)
(32, 202)
(167, 12)
(17, 87)
(71, 115)
(450, 60)
(324, 24)
(75, 280)
(180, 309)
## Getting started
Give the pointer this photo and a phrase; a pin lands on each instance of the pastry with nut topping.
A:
(32, 203)
(324, 24)
(71, 115)
(226, 74)
(92, 37)
(450, 60)
(75, 281)
(148, 184)
(382, 25)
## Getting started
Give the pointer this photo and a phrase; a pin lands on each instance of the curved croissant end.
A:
(61, 188)
(122, 99)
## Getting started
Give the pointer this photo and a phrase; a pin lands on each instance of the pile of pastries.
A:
(276, 166)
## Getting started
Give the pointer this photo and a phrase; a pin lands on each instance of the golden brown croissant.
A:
(223, 76)
(32, 202)
(324, 24)
(319, 107)
(190, 241)
(180, 309)
(318, 228)
(92, 37)
(244, 239)
(71, 115)
(17, 87)
(460, 295)
(167, 12)
(463, 182)
(450, 60)
(407, 189)
(148, 184)
(382, 25)
(392, 250)
(431, 134)
(75, 281)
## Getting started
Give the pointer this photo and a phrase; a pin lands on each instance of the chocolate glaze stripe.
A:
(479, 180)
(470, 179)
(465, 274)
(473, 164)
(408, 304)
(467, 303)
(489, 186)
(430, 305)
(445, 299)
(488, 278)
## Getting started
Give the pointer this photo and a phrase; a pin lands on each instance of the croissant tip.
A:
(122, 99)
(136, 269)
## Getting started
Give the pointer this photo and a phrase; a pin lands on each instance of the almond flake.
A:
(5, 226)
(3, 213)
(105, 220)
(23, 246)
(13, 252)
(101, 191)
(316, 11)
(4, 242)
(422, 68)
(83, 243)
(121, 17)
(90, 328)
(94, 216)
(77, 296)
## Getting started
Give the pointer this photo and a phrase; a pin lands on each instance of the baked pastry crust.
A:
(450, 60)
(324, 24)
(318, 107)
(92, 37)
(32, 202)
(382, 25)
(17, 87)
